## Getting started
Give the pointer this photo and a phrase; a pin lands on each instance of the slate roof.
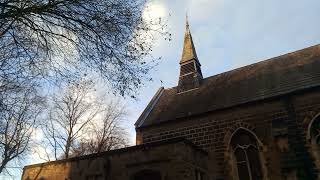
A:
(277, 76)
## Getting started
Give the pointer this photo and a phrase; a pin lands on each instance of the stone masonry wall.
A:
(267, 119)
(173, 161)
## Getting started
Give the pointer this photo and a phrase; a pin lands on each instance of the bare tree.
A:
(106, 132)
(61, 40)
(81, 121)
(65, 38)
(68, 118)
(18, 116)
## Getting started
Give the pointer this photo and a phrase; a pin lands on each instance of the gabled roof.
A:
(277, 76)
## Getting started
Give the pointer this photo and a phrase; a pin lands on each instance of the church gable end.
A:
(247, 119)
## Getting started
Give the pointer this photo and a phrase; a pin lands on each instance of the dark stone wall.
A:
(173, 160)
(280, 124)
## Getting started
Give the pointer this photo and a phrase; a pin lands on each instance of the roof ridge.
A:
(264, 61)
(256, 63)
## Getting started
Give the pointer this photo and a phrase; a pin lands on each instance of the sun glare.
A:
(154, 10)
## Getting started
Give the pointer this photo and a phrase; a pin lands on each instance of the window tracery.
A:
(315, 131)
(246, 155)
(314, 140)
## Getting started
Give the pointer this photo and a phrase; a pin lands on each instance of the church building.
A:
(257, 122)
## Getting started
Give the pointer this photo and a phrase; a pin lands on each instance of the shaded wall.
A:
(280, 124)
(172, 160)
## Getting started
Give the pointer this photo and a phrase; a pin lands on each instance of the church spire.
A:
(190, 71)
(189, 51)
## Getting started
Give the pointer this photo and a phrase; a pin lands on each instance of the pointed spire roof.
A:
(189, 51)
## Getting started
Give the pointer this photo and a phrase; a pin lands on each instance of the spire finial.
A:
(188, 52)
(187, 21)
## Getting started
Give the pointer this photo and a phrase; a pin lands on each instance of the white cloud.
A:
(227, 34)
(230, 34)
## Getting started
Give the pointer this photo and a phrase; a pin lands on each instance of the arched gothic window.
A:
(314, 139)
(245, 151)
(315, 131)
(147, 175)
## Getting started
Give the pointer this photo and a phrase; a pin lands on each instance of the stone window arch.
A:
(313, 137)
(245, 154)
(147, 174)
(314, 130)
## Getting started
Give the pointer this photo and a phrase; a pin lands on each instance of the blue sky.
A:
(227, 34)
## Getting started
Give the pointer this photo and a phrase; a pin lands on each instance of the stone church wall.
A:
(173, 160)
(280, 124)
